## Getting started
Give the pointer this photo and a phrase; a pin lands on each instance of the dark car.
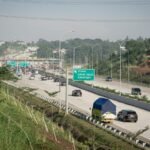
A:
(63, 83)
(136, 91)
(44, 78)
(76, 93)
(127, 115)
(56, 79)
(49, 77)
(108, 79)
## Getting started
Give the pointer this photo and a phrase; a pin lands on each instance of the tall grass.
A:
(23, 128)
(83, 135)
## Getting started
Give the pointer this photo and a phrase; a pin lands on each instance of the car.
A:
(76, 93)
(56, 79)
(108, 79)
(127, 116)
(44, 78)
(32, 77)
(63, 83)
(108, 117)
(136, 91)
(49, 77)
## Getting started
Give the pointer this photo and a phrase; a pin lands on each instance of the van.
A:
(136, 91)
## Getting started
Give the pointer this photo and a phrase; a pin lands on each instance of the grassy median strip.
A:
(85, 136)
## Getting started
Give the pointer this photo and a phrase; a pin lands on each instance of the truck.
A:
(104, 110)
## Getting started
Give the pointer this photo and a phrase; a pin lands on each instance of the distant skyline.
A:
(30, 20)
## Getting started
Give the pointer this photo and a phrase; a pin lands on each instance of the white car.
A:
(31, 77)
(108, 117)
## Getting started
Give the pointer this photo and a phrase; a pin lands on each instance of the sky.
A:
(30, 20)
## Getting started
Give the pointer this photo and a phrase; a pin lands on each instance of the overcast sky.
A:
(29, 20)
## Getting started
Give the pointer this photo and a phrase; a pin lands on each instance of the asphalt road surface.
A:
(86, 101)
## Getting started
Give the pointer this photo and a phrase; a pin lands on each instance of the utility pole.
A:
(120, 71)
(59, 73)
(111, 66)
(66, 94)
(59, 63)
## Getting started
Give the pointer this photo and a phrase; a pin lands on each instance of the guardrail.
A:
(122, 99)
(139, 141)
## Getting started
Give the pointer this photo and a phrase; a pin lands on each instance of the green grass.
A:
(22, 128)
(85, 135)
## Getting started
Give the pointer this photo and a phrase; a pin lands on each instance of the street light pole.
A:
(53, 62)
(59, 73)
(92, 57)
(120, 71)
(128, 68)
(92, 60)
(60, 66)
(121, 48)
(92, 54)
(111, 66)
(74, 55)
(66, 94)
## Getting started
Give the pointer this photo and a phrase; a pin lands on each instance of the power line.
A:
(83, 2)
(79, 20)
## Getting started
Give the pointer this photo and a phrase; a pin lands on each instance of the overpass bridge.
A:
(30, 59)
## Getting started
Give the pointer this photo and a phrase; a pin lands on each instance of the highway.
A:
(86, 101)
(115, 85)
(125, 87)
(100, 81)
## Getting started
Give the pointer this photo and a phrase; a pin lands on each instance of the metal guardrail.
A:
(115, 130)
(122, 99)
(141, 142)
(98, 91)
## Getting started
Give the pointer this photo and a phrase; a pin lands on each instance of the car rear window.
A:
(136, 89)
(131, 112)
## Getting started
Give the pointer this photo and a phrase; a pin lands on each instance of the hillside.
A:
(39, 124)
(22, 128)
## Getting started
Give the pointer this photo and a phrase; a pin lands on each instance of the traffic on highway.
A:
(84, 100)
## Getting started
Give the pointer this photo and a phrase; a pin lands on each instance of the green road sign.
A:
(83, 74)
(20, 64)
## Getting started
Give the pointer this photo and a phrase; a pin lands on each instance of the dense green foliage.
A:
(83, 47)
(5, 74)
(22, 128)
(9, 47)
(104, 56)
(46, 48)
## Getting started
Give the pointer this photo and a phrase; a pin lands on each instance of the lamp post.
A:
(121, 48)
(128, 68)
(54, 52)
(60, 66)
(92, 59)
(60, 58)
(74, 55)
(111, 66)
(66, 93)
(92, 53)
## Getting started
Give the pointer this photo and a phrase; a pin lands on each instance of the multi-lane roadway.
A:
(86, 101)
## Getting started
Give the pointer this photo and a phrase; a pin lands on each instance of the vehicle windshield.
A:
(131, 112)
